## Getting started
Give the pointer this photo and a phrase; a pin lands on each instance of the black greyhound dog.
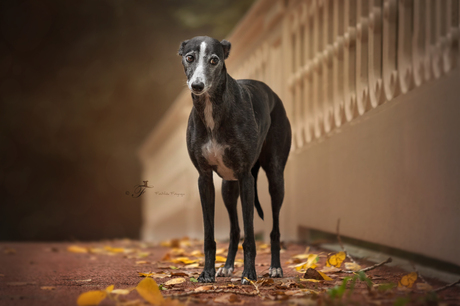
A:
(235, 127)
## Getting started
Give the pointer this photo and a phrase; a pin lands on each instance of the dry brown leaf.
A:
(47, 288)
(352, 266)
(314, 274)
(175, 281)
(9, 251)
(82, 280)
(424, 287)
(180, 273)
(204, 288)
(143, 262)
(20, 283)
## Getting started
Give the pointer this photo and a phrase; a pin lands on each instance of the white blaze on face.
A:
(198, 74)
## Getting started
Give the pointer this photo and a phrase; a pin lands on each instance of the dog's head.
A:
(203, 59)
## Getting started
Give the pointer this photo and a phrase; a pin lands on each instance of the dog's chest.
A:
(214, 152)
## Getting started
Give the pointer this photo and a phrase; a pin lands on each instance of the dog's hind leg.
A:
(276, 189)
(246, 184)
(230, 192)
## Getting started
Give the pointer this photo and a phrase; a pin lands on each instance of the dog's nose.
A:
(198, 87)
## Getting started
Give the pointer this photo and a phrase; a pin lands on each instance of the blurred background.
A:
(82, 83)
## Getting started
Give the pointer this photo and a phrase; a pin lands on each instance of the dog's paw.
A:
(207, 277)
(249, 275)
(224, 272)
(275, 272)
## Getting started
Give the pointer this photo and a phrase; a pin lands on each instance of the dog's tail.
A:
(255, 172)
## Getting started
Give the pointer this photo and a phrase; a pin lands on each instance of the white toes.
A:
(275, 272)
(224, 272)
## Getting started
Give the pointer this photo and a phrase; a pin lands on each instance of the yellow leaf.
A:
(310, 263)
(184, 260)
(336, 259)
(175, 281)
(146, 274)
(114, 250)
(192, 266)
(109, 288)
(309, 280)
(408, 280)
(325, 277)
(77, 249)
(220, 259)
(91, 298)
(352, 266)
(149, 290)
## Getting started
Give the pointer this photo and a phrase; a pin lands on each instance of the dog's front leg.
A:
(207, 195)
(249, 244)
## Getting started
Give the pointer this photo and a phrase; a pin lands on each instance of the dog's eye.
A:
(189, 58)
(213, 61)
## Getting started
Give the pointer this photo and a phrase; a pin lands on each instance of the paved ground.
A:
(53, 274)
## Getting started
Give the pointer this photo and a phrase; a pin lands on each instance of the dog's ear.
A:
(181, 48)
(226, 45)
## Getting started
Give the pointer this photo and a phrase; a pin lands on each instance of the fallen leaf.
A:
(310, 263)
(122, 291)
(47, 287)
(424, 286)
(203, 288)
(114, 250)
(336, 259)
(91, 297)
(149, 290)
(184, 260)
(142, 262)
(314, 274)
(193, 280)
(192, 266)
(310, 280)
(20, 283)
(221, 259)
(110, 288)
(180, 273)
(142, 254)
(197, 253)
(177, 252)
(175, 281)
(352, 266)
(408, 280)
(9, 251)
(77, 249)
(330, 270)
(82, 280)
(221, 251)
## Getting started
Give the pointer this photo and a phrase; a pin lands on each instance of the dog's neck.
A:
(212, 106)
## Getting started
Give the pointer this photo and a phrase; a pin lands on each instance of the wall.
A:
(371, 89)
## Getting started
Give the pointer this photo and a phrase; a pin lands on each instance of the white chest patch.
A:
(208, 114)
(213, 152)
